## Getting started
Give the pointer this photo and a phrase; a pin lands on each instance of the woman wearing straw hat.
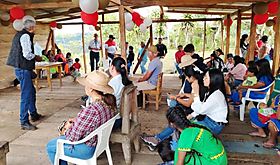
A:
(88, 119)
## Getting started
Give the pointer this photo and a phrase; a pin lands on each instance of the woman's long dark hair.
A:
(237, 60)
(243, 39)
(108, 99)
(264, 69)
(190, 72)
(177, 116)
(120, 65)
(217, 82)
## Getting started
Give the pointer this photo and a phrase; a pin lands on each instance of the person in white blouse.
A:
(214, 107)
(118, 81)
(94, 47)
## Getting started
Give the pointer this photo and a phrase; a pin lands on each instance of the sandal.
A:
(256, 134)
(268, 145)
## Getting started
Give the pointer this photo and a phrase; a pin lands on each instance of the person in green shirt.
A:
(276, 89)
(196, 145)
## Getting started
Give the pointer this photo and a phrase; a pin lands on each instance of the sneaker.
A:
(36, 117)
(151, 140)
(151, 148)
(28, 126)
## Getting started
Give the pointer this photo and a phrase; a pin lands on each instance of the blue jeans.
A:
(178, 69)
(81, 151)
(129, 64)
(28, 95)
(142, 66)
(166, 133)
(214, 127)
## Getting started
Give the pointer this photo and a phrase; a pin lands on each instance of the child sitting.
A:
(250, 81)
(75, 69)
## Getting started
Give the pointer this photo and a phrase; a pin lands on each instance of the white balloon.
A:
(129, 26)
(28, 17)
(18, 24)
(128, 17)
(89, 6)
(148, 21)
(143, 28)
(5, 16)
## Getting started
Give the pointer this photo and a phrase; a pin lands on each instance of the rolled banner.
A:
(18, 24)
(148, 21)
(89, 6)
(129, 26)
(5, 16)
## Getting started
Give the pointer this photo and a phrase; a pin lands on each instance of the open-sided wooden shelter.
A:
(62, 10)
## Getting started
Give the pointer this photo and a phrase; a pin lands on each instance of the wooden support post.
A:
(228, 37)
(252, 44)
(48, 41)
(84, 50)
(276, 56)
(204, 40)
(53, 43)
(142, 55)
(238, 33)
(151, 34)
(122, 31)
(222, 35)
(101, 41)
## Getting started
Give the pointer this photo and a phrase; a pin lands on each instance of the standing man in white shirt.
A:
(110, 48)
(94, 47)
(22, 58)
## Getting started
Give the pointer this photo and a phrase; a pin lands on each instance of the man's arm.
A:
(146, 76)
(165, 50)
(26, 47)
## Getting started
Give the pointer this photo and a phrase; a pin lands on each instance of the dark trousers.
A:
(94, 59)
(28, 94)
(111, 57)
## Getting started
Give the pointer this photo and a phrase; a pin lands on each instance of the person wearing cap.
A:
(94, 47)
(110, 48)
(102, 109)
(149, 80)
(161, 48)
(22, 58)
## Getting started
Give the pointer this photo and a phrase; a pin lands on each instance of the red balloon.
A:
(53, 24)
(273, 7)
(228, 22)
(17, 13)
(139, 21)
(135, 16)
(261, 18)
(90, 19)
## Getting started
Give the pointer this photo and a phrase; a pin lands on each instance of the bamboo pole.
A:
(204, 39)
(122, 31)
(151, 34)
(84, 50)
(252, 44)
(238, 33)
(48, 41)
(222, 35)
(276, 56)
(228, 37)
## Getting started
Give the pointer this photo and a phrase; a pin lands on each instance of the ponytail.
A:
(120, 65)
(108, 99)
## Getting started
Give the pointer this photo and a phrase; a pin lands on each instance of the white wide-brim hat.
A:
(186, 60)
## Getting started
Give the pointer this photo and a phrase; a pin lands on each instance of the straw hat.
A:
(186, 60)
(153, 49)
(96, 80)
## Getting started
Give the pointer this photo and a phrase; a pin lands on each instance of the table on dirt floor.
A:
(47, 66)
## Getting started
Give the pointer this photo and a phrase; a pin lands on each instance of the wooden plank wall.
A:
(6, 35)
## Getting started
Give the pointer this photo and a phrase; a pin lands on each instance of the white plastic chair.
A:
(103, 135)
(247, 98)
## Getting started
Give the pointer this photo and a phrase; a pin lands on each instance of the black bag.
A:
(165, 151)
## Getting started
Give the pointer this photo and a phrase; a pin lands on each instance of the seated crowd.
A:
(196, 115)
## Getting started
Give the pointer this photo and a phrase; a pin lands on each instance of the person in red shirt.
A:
(77, 65)
(178, 55)
(75, 69)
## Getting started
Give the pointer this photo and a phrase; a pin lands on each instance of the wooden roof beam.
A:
(51, 5)
(198, 12)
(72, 10)
(241, 10)
(214, 6)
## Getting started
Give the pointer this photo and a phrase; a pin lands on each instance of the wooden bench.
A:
(156, 92)
(130, 130)
(4, 149)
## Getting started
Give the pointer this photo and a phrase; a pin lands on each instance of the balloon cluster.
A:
(135, 18)
(262, 11)
(89, 14)
(16, 16)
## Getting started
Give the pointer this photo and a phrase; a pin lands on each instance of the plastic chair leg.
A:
(144, 101)
(136, 144)
(242, 110)
(109, 156)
